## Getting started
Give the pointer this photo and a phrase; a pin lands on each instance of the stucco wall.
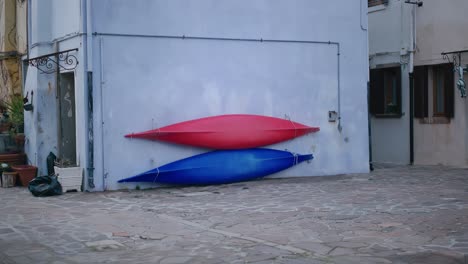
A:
(142, 82)
(55, 27)
(10, 71)
(54, 19)
(443, 143)
(40, 125)
(389, 29)
(389, 45)
(21, 26)
(391, 136)
(7, 25)
(442, 27)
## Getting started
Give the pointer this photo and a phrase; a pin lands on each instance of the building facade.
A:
(146, 64)
(419, 114)
(13, 49)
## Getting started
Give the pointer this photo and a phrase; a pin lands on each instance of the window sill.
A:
(434, 120)
(389, 115)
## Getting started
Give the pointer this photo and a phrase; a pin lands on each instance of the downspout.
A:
(411, 98)
(411, 80)
(89, 79)
(101, 77)
(59, 105)
(369, 128)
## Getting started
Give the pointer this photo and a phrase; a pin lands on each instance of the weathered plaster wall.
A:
(55, 27)
(10, 70)
(142, 83)
(443, 143)
(41, 124)
(442, 27)
(7, 25)
(389, 45)
(10, 78)
(21, 26)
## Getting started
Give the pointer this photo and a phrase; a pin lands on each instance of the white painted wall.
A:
(142, 83)
(55, 27)
(65, 17)
(389, 45)
(442, 27)
(40, 125)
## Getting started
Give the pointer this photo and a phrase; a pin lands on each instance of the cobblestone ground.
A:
(398, 215)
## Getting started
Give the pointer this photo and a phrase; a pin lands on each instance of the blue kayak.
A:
(222, 166)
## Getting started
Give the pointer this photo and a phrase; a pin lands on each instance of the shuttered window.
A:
(437, 81)
(421, 109)
(385, 92)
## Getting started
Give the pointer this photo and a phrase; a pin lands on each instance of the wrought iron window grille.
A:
(55, 62)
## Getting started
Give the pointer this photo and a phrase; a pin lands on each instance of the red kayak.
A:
(228, 132)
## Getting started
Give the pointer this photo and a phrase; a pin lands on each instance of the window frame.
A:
(426, 80)
(378, 92)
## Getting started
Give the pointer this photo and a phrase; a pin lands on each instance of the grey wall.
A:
(390, 45)
(143, 83)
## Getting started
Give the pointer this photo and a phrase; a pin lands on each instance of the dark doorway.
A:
(67, 123)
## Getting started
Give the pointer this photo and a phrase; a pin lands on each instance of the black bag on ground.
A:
(45, 186)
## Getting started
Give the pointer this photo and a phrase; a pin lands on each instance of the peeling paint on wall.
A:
(9, 78)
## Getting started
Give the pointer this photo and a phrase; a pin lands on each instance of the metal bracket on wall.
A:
(454, 57)
(55, 62)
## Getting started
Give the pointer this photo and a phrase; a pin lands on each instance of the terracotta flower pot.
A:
(25, 173)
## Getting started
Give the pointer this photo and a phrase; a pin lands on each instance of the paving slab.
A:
(416, 214)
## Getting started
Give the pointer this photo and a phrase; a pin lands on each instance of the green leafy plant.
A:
(15, 112)
(5, 167)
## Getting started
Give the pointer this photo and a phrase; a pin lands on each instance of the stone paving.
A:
(397, 215)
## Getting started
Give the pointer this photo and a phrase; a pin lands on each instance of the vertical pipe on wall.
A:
(411, 82)
(90, 131)
(89, 36)
(371, 166)
(411, 99)
(59, 105)
(340, 128)
(101, 75)
(89, 84)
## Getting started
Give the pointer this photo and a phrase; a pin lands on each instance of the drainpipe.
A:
(411, 98)
(411, 81)
(89, 81)
(369, 130)
(101, 77)
(371, 166)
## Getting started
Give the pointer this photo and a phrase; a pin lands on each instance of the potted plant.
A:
(16, 115)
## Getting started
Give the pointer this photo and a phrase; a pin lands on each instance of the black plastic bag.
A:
(45, 186)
